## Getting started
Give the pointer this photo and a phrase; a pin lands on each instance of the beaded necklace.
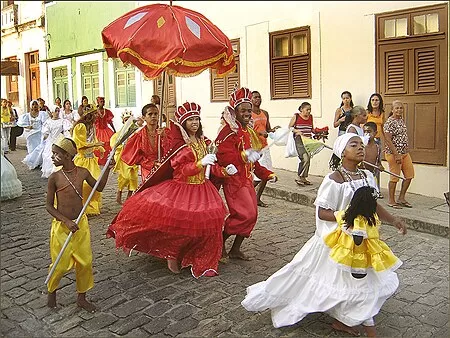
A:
(348, 178)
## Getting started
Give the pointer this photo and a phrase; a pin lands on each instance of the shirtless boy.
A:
(66, 185)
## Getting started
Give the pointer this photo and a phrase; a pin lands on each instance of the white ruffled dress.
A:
(313, 282)
(11, 187)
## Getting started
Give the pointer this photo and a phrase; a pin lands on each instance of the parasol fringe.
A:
(181, 61)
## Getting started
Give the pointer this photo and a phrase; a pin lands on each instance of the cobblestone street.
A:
(137, 296)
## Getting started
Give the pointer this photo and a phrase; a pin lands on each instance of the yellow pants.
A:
(78, 253)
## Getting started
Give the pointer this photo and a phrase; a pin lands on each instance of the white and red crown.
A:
(239, 96)
(187, 110)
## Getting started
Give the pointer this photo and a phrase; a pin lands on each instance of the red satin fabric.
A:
(238, 189)
(161, 37)
(174, 219)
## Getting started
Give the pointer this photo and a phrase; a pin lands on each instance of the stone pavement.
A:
(138, 297)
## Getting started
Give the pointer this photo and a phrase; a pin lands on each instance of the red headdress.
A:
(100, 98)
(239, 96)
(187, 110)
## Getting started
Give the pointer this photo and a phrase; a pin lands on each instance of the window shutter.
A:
(219, 87)
(131, 89)
(281, 83)
(121, 88)
(300, 76)
(426, 70)
(396, 78)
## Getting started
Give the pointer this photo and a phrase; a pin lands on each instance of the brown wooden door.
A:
(33, 76)
(169, 106)
(416, 74)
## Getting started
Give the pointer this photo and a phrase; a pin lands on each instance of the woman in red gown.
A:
(179, 219)
(104, 129)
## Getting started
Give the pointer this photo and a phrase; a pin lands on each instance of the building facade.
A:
(23, 46)
(290, 51)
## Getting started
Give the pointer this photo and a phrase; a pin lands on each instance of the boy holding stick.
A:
(67, 185)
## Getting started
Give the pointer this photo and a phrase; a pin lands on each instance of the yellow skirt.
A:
(78, 254)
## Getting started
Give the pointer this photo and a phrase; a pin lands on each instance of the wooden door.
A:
(170, 100)
(416, 74)
(33, 76)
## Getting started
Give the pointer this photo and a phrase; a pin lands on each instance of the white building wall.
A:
(343, 58)
(18, 44)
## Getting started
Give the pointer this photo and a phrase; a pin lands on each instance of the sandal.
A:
(395, 206)
(300, 183)
(405, 204)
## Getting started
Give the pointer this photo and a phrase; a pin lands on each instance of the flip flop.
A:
(300, 183)
(405, 204)
(395, 206)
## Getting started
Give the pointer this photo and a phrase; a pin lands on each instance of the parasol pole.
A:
(128, 130)
(163, 97)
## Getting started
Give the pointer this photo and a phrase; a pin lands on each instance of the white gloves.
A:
(209, 159)
(252, 155)
(231, 169)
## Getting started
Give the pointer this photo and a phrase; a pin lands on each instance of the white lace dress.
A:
(52, 129)
(313, 282)
(11, 187)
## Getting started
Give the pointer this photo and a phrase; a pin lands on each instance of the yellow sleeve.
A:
(79, 136)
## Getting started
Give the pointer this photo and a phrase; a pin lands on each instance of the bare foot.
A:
(83, 303)
(370, 331)
(172, 264)
(238, 255)
(338, 326)
(51, 300)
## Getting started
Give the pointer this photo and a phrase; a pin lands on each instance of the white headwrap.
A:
(31, 102)
(341, 143)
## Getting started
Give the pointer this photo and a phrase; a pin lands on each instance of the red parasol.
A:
(159, 37)
(165, 39)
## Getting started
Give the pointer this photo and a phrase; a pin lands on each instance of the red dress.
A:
(238, 189)
(104, 132)
(180, 218)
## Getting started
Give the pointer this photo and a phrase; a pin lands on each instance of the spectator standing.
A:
(359, 118)
(261, 125)
(16, 130)
(6, 119)
(342, 117)
(397, 155)
(302, 121)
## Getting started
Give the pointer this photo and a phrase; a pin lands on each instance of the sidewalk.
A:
(429, 214)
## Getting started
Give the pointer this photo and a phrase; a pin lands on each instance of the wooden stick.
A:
(127, 132)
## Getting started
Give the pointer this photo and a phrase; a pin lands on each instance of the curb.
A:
(308, 199)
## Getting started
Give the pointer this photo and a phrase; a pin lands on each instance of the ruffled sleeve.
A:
(133, 150)
(79, 136)
(360, 227)
(328, 194)
(186, 163)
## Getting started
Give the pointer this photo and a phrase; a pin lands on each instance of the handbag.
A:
(291, 149)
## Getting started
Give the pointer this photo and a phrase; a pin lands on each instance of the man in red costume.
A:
(238, 144)
(142, 147)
